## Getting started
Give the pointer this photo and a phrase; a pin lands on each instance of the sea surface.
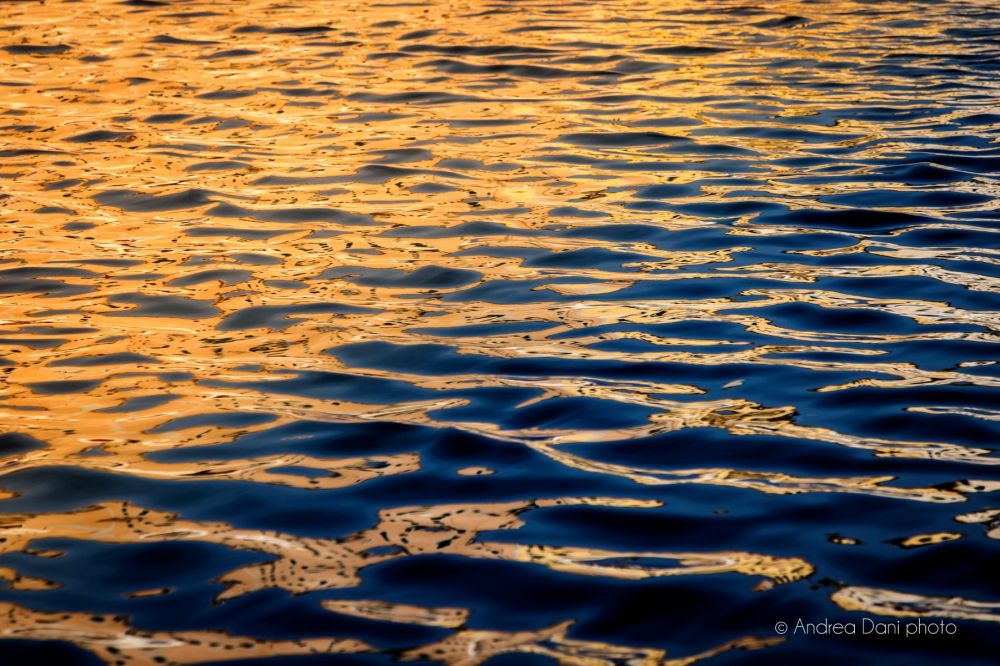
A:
(505, 332)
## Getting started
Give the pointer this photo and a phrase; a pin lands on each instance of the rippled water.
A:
(512, 332)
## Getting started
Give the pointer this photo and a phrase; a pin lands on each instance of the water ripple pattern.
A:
(512, 332)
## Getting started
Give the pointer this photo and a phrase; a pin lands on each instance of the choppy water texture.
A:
(510, 332)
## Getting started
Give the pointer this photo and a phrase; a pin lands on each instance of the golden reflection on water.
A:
(307, 564)
(111, 638)
(897, 604)
(167, 175)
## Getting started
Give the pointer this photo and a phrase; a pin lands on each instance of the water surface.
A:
(505, 332)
